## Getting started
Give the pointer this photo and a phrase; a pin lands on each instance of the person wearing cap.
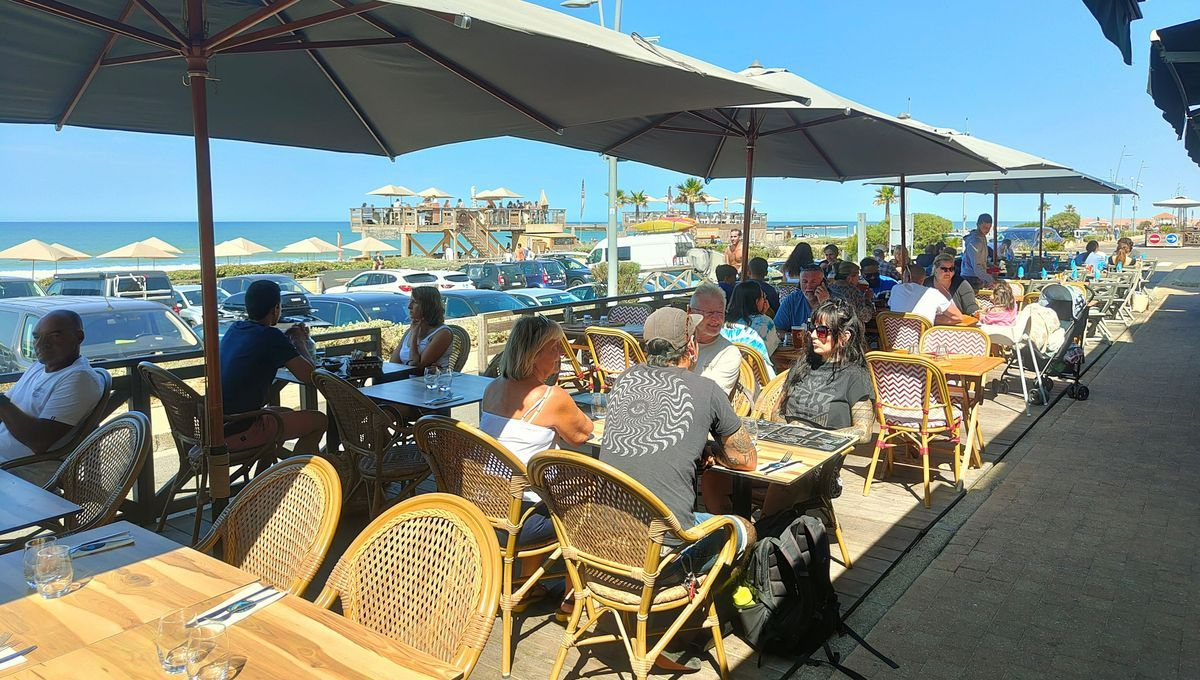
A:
(660, 416)
(975, 254)
(717, 359)
(252, 350)
(846, 286)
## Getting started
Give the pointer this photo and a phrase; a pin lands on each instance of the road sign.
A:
(1172, 239)
(1154, 239)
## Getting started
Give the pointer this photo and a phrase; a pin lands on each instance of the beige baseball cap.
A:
(671, 324)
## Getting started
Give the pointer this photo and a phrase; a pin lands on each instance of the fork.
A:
(787, 457)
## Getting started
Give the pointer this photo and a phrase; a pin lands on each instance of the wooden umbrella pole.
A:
(747, 208)
(197, 64)
(903, 216)
(995, 224)
(1041, 225)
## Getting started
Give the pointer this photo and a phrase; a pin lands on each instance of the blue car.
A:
(578, 273)
(341, 309)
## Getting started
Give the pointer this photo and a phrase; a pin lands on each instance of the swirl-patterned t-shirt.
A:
(658, 422)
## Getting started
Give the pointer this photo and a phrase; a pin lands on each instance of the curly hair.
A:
(839, 316)
(1002, 295)
(801, 257)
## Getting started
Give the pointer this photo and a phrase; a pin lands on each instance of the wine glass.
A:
(32, 546)
(52, 571)
(171, 639)
(207, 657)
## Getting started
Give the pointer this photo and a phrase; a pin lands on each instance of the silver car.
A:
(188, 306)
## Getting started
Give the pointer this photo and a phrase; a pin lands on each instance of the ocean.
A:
(99, 237)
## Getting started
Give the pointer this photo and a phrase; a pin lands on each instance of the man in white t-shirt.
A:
(915, 298)
(716, 358)
(41, 411)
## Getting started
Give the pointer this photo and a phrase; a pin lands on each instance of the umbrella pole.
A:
(217, 454)
(1041, 225)
(995, 223)
(903, 218)
(747, 208)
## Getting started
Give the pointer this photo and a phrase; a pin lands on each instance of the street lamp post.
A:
(613, 208)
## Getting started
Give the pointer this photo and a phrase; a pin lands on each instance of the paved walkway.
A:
(1081, 562)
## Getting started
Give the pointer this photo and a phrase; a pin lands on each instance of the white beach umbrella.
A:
(138, 251)
(71, 253)
(392, 190)
(742, 201)
(309, 246)
(434, 192)
(239, 247)
(369, 243)
(162, 245)
(542, 200)
(34, 251)
(497, 194)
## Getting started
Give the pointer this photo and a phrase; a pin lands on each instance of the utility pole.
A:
(1116, 197)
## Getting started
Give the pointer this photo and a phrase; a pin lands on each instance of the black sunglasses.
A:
(946, 269)
(822, 332)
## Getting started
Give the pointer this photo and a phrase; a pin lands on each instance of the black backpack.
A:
(795, 609)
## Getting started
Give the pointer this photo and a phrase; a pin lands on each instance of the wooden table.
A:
(106, 627)
(972, 371)
(785, 357)
(467, 389)
(26, 504)
(308, 393)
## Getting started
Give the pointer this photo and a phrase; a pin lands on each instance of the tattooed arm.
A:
(737, 451)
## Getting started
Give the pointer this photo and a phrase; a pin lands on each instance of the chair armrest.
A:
(708, 526)
(30, 460)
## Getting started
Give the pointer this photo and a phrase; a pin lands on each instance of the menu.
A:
(807, 437)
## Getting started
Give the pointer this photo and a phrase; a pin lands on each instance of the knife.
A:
(449, 397)
(98, 543)
(15, 655)
(218, 612)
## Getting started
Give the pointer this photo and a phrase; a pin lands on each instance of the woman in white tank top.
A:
(427, 341)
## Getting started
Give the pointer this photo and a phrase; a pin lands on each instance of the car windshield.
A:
(10, 289)
(496, 303)
(511, 270)
(193, 296)
(457, 278)
(118, 334)
(556, 299)
(396, 312)
(290, 286)
(573, 263)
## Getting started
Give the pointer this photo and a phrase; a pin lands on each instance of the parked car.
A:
(1026, 238)
(463, 303)
(239, 284)
(345, 308)
(391, 280)
(15, 286)
(578, 273)
(188, 305)
(113, 328)
(588, 291)
(541, 297)
(543, 273)
(126, 283)
(495, 275)
(452, 280)
(649, 250)
(296, 308)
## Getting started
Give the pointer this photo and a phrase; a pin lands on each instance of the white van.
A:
(649, 250)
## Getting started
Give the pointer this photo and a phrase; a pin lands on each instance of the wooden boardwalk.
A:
(878, 528)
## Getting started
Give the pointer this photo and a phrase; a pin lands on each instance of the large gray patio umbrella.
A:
(815, 135)
(376, 77)
(1041, 182)
(1175, 80)
(1114, 17)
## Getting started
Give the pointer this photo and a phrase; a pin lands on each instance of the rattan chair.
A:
(380, 454)
(612, 532)
(900, 331)
(280, 526)
(912, 403)
(571, 372)
(460, 347)
(762, 375)
(963, 341)
(186, 414)
(766, 406)
(784, 290)
(629, 313)
(97, 476)
(38, 465)
(469, 463)
(612, 352)
(426, 573)
(742, 397)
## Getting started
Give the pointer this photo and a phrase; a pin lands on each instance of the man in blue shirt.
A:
(726, 279)
(796, 309)
(758, 274)
(975, 254)
(252, 351)
(870, 273)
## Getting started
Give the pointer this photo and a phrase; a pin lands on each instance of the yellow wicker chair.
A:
(973, 342)
(899, 330)
(612, 352)
(757, 363)
(469, 463)
(380, 453)
(571, 373)
(35, 467)
(280, 526)
(912, 403)
(427, 573)
(612, 532)
(766, 406)
(742, 397)
(460, 347)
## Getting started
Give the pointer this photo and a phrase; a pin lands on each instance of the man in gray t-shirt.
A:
(660, 416)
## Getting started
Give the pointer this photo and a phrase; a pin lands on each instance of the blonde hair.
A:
(528, 337)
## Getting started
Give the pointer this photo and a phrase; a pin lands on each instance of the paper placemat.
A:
(254, 592)
(9, 649)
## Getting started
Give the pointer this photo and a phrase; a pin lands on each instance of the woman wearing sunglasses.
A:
(957, 289)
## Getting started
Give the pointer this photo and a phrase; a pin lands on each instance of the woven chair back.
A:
(183, 405)
(908, 387)
(469, 463)
(629, 314)
(756, 362)
(460, 347)
(606, 521)
(100, 472)
(766, 406)
(91, 422)
(785, 289)
(901, 331)
(425, 572)
(742, 398)
(362, 425)
(613, 350)
(956, 340)
(280, 526)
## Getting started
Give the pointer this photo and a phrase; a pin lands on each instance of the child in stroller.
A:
(1070, 305)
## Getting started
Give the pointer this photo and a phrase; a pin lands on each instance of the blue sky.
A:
(1033, 74)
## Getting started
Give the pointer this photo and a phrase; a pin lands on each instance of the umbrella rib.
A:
(96, 63)
(141, 58)
(655, 123)
(824, 156)
(812, 123)
(693, 131)
(162, 21)
(245, 23)
(97, 21)
(716, 154)
(736, 130)
(733, 121)
(221, 43)
(268, 46)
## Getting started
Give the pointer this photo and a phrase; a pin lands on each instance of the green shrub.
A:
(628, 276)
(308, 269)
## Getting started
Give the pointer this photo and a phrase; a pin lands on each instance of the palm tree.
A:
(689, 191)
(1045, 207)
(1069, 208)
(885, 196)
(638, 200)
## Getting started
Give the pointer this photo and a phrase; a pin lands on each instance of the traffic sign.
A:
(1172, 239)
(1154, 239)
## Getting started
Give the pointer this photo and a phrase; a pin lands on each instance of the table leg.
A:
(308, 397)
(742, 496)
(969, 445)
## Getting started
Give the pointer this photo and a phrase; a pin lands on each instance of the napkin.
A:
(103, 546)
(251, 592)
(5, 651)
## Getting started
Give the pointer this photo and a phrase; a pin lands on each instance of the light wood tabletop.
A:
(106, 623)
(466, 389)
(27, 504)
(968, 366)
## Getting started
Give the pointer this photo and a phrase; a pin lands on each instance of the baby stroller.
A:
(1069, 303)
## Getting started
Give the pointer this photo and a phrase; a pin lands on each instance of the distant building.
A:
(1163, 219)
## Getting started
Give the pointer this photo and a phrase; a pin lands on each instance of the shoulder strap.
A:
(537, 407)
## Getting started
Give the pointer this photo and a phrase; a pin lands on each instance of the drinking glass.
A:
(171, 640)
(32, 546)
(445, 380)
(599, 405)
(432, 374)
(52, 571)
(207, 656)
